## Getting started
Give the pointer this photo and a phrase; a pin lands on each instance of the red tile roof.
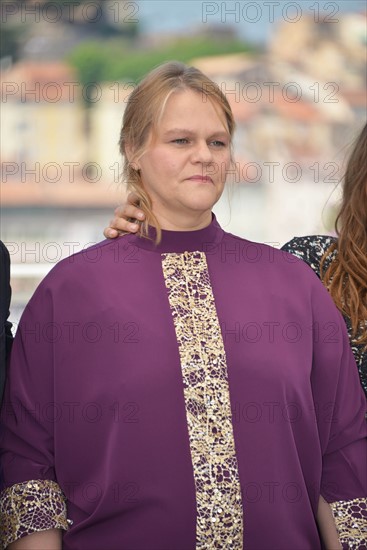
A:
(50, 80)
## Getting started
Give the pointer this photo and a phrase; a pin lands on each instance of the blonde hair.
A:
(143, 113)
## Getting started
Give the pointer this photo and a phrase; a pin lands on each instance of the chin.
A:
(204, 200)
(202, 206)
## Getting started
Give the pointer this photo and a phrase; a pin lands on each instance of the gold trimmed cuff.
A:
(30, 507)
(351, 521)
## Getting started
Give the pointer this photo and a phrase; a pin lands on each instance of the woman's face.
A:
(185, 166)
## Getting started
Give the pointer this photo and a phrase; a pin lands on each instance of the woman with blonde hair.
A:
(166, 389)
(340, 262)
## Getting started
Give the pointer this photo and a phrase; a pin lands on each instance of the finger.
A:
(133, 198)
(126, 211)
(121, 224)
(110, 233)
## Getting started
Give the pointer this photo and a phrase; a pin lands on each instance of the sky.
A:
(253, 20)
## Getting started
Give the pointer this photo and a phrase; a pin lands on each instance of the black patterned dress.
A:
(311, 249)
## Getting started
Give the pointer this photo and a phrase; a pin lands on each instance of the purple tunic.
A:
(198, 394)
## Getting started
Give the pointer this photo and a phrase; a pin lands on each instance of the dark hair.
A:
(346, 276)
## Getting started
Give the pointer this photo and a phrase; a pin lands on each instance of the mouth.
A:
(204, 179)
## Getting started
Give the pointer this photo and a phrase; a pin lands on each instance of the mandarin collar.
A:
(181, 241)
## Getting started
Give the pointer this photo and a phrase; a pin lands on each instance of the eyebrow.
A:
(191, 133)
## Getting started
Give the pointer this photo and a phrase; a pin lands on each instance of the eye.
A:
(218, 143)
(180, 141)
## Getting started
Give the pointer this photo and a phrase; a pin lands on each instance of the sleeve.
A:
(300, 247)
(310, 249)
(6, 337)
(31, 499)
(341, 406)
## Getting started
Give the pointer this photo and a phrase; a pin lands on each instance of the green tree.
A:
(118, 60)
(10, 40)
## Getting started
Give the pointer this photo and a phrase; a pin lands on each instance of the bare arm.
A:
(120, 223)
(326, 523)
(45, 540)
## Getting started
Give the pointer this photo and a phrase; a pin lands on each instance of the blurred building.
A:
(52, 148)
(105, 126)
(327, 50)
(42, 117)
(50, 30)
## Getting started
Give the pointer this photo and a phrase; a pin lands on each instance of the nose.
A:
(202, 153)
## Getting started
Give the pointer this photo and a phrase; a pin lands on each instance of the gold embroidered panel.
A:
(219, 521)
(351, 521)
(29, 507)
